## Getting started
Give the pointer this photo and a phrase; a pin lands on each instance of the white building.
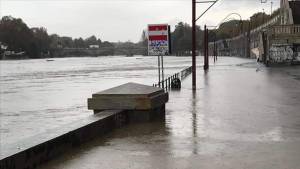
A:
(94, 46)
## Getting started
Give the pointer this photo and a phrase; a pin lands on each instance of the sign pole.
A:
(158, 59)
(159, 45)
(162, 71)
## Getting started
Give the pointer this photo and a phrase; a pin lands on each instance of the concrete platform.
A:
(143, 103)
(129, 96)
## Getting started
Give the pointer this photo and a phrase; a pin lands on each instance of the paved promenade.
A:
(242, 116)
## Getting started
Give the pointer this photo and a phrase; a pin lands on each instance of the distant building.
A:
(94, 46)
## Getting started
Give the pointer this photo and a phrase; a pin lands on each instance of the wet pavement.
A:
(242, 116)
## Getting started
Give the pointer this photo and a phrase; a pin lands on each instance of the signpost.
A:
(159, 45)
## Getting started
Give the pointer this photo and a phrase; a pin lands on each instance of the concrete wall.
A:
(44, 147)
(284, 54)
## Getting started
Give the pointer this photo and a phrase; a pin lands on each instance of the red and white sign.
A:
(158, 39)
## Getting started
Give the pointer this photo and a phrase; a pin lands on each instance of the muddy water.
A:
(242, 115)
(37, 95)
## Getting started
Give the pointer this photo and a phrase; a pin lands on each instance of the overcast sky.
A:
(120, 20)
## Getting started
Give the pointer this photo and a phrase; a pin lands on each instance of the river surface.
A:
(38, 95)
(242, 115)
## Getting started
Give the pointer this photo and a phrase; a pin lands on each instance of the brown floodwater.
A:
(242, 115)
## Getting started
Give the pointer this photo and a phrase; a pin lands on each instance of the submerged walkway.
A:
(240, 117)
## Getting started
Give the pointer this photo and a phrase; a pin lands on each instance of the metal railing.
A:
(269, 23)
(166, 83)
(185, 72)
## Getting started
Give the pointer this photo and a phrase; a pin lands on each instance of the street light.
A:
(226, 19)
(271, 7)
(263, 15)
(233, 13)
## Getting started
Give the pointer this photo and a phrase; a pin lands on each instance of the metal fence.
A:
(166, 83)
(185, 72)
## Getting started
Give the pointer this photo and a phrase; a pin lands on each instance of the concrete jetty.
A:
(113, 109)
(143, 103)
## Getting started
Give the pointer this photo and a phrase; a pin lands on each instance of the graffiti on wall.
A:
(297, 52)
(287, 53)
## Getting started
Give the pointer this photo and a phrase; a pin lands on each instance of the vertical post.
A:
(166, 84)
(214, 50)
(194, 44)
(207, 57)
(263, 16)
(205, 46)
(217, 52)
(248, 40)
(158, 64)
(162, 71)
(271, 7)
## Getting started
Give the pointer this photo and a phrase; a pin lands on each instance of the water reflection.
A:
(194, 120)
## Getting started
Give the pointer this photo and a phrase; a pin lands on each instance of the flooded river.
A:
(242, 115)
(38, 95)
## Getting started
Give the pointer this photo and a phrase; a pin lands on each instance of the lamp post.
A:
(271, 7)
(263, 15)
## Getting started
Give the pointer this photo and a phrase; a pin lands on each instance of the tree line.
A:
(37, 43)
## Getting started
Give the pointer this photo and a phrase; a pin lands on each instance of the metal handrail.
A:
(166, 83)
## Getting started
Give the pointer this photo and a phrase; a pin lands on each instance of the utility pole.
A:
(194, 44)
(206, 58)
(194, 20)
(158, 65)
